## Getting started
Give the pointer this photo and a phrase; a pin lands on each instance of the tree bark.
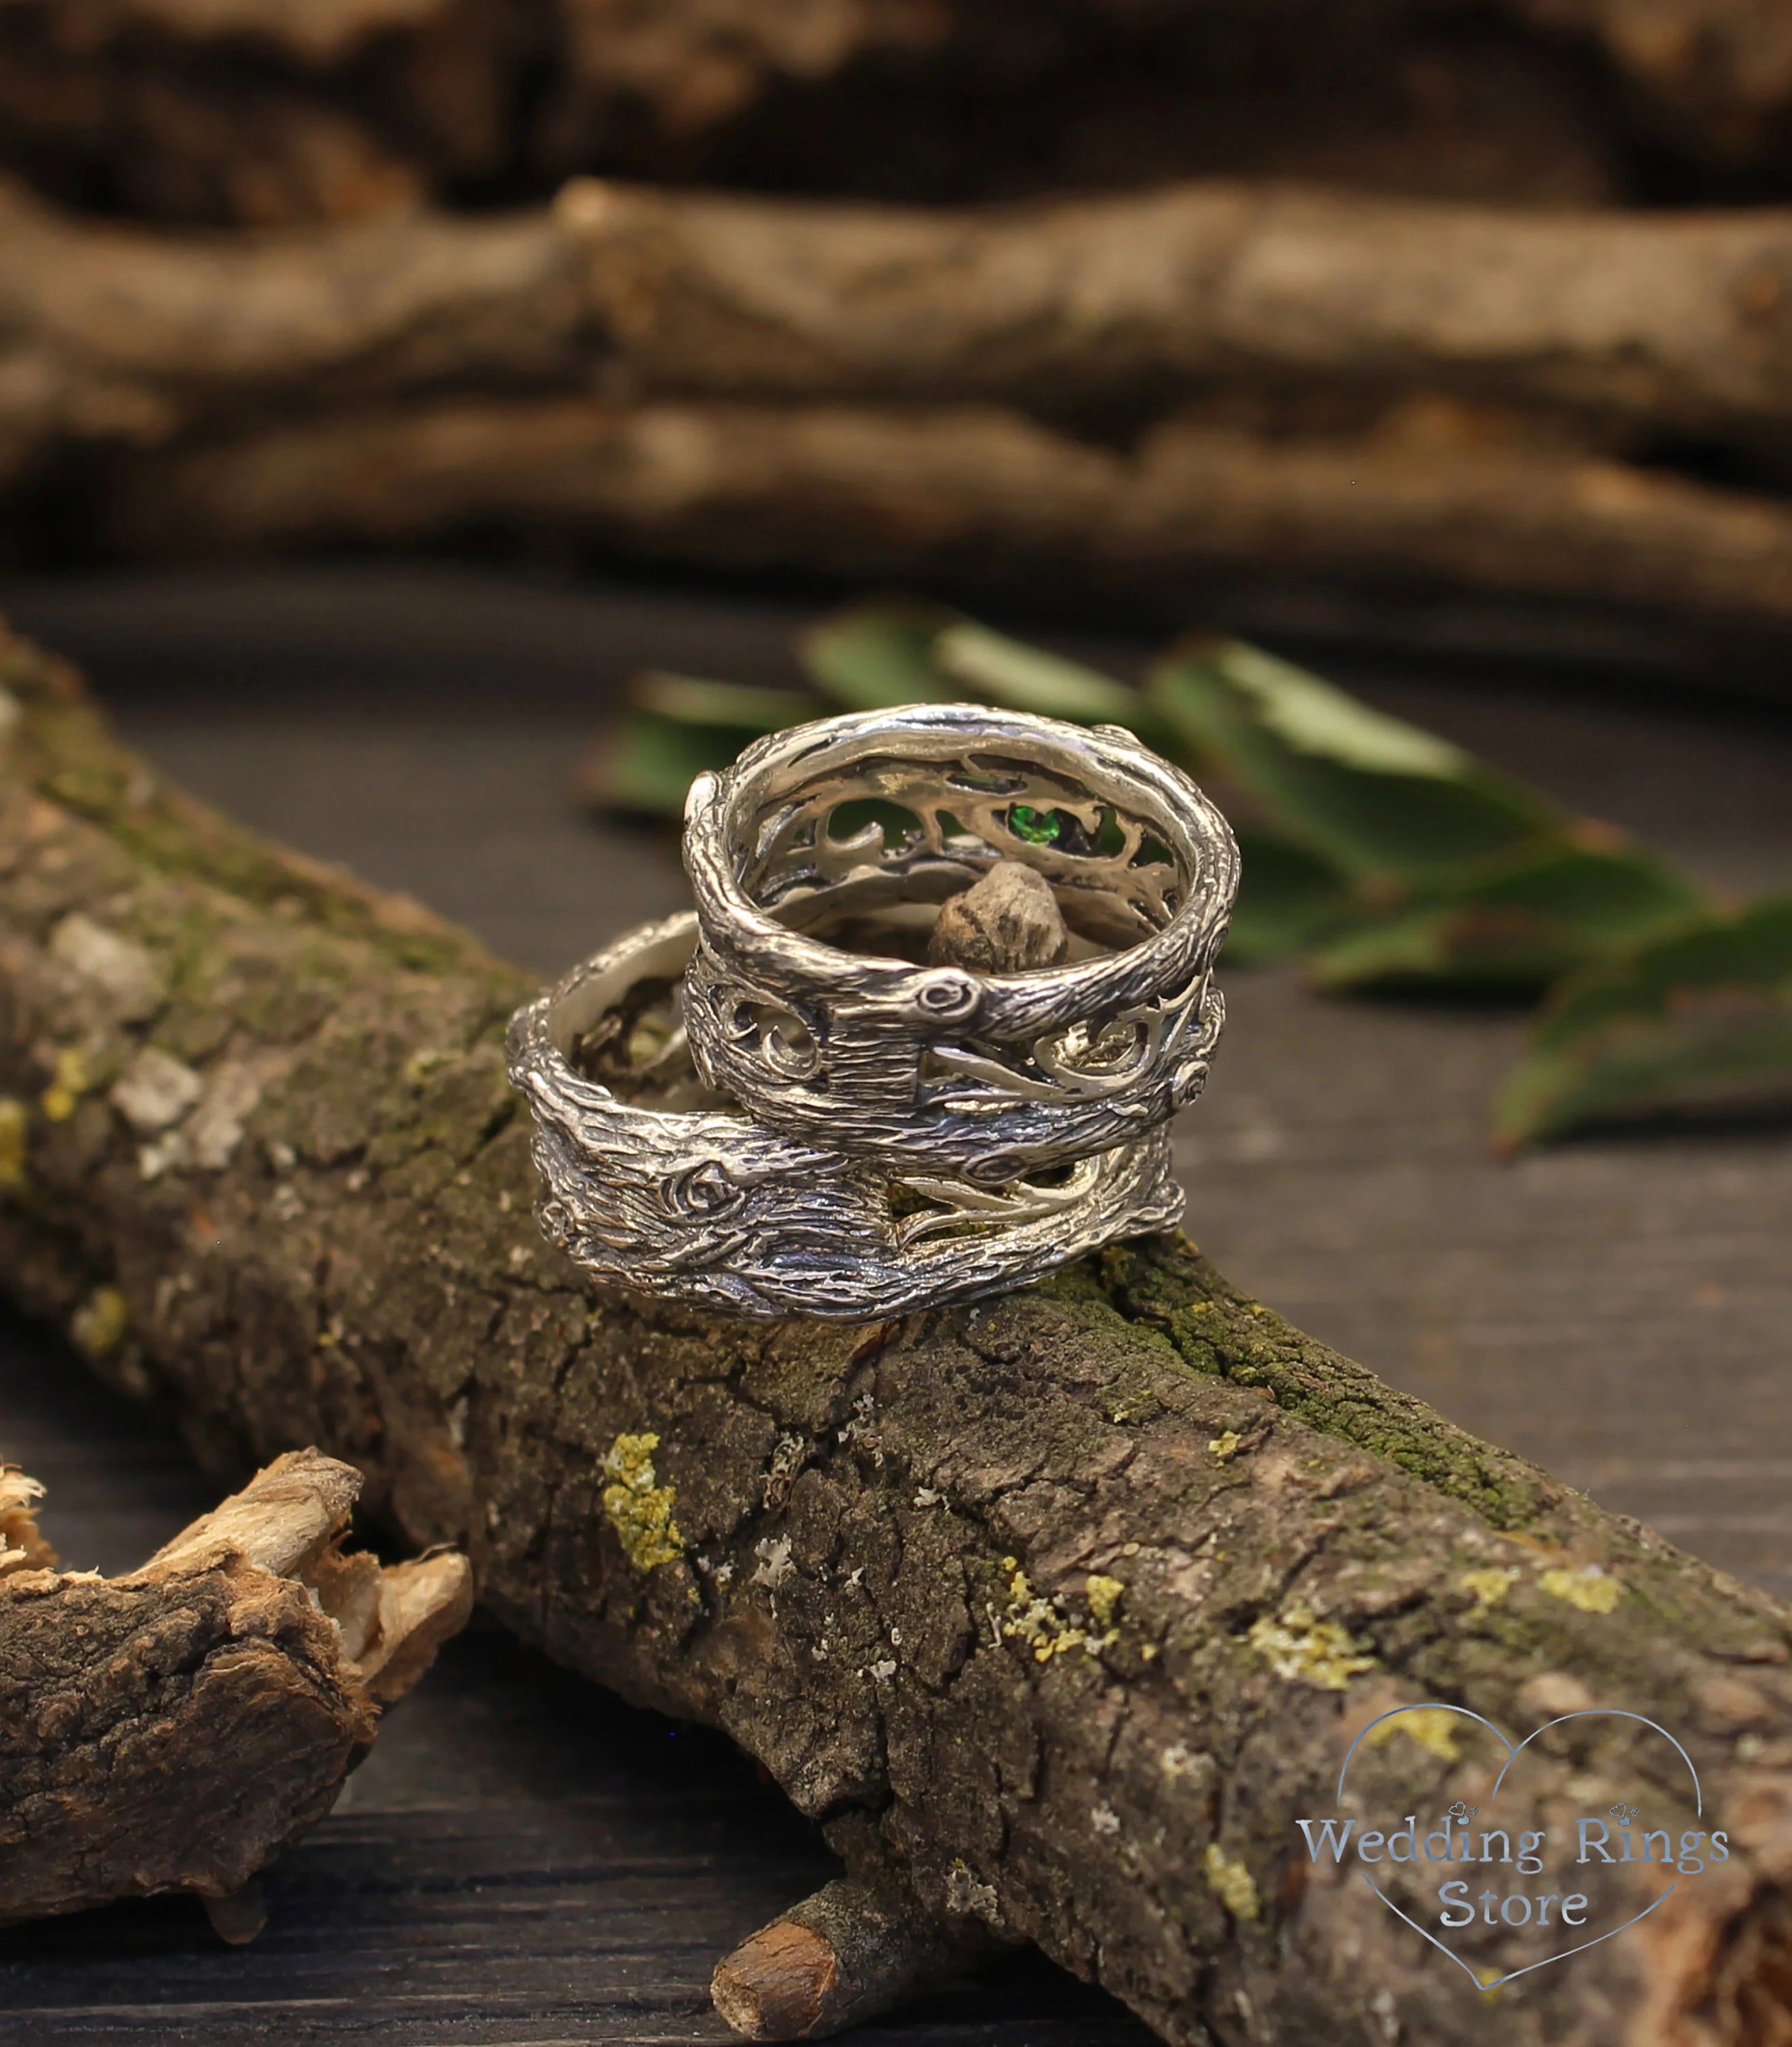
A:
(981, 499)
(177, 1728)
(1061, 1610)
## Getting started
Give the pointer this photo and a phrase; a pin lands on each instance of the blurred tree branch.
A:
(1670, 320)
(250, 112)
(981, 496)
(764, 382)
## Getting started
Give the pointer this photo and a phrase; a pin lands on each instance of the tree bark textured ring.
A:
(989, 1076)
(649, 1184)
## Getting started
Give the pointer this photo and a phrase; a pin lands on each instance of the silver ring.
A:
(649, 1184)
(991, 1076)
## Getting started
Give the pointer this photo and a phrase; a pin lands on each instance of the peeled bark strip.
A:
(982, 498)
(1061, 1610)
(175, 1729)
(22, 1548)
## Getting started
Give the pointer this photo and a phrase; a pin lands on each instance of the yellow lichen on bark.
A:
(1491, 1586)
(1231, 1882)
(1589, 1589)
(102, 1323)
(68, 1084)
(1431, 1727)
(14, 1123)
(1307, 1650)
(640, 1508)
(1104, 1595)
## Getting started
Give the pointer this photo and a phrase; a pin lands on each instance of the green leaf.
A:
(1384, 800)
(647, 763)
(1389, 855)
(677, 727)
(1698, 1018)
(875, 656)
(1549, 912)
(872, 656)
(994, 669)
(1289, 898)
(729, 706)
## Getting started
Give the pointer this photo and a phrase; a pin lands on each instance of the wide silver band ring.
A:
(990, 1076)
(706, 1206)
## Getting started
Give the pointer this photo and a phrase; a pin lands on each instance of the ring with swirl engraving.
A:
(988, 1076)
(669, 1195)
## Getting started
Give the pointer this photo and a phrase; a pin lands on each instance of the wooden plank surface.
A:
(524, 1860)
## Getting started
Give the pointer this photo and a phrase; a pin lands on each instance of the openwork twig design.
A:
(986, 1076)
(706, 1206)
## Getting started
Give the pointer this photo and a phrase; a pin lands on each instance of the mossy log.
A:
(1061, 1611)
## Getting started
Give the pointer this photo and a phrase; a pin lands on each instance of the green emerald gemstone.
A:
(1037, 827)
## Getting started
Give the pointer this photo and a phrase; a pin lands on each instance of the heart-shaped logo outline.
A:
(1514, 1751)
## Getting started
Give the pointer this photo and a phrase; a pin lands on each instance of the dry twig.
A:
(841, 1957)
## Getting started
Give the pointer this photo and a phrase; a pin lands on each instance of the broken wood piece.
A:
(175, 1728)
(842, 1957)
(22, 1547)
(282, 1521)
(1063, 1611)
(1006, 923)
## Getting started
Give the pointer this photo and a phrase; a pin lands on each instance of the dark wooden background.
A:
(524, 1861)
